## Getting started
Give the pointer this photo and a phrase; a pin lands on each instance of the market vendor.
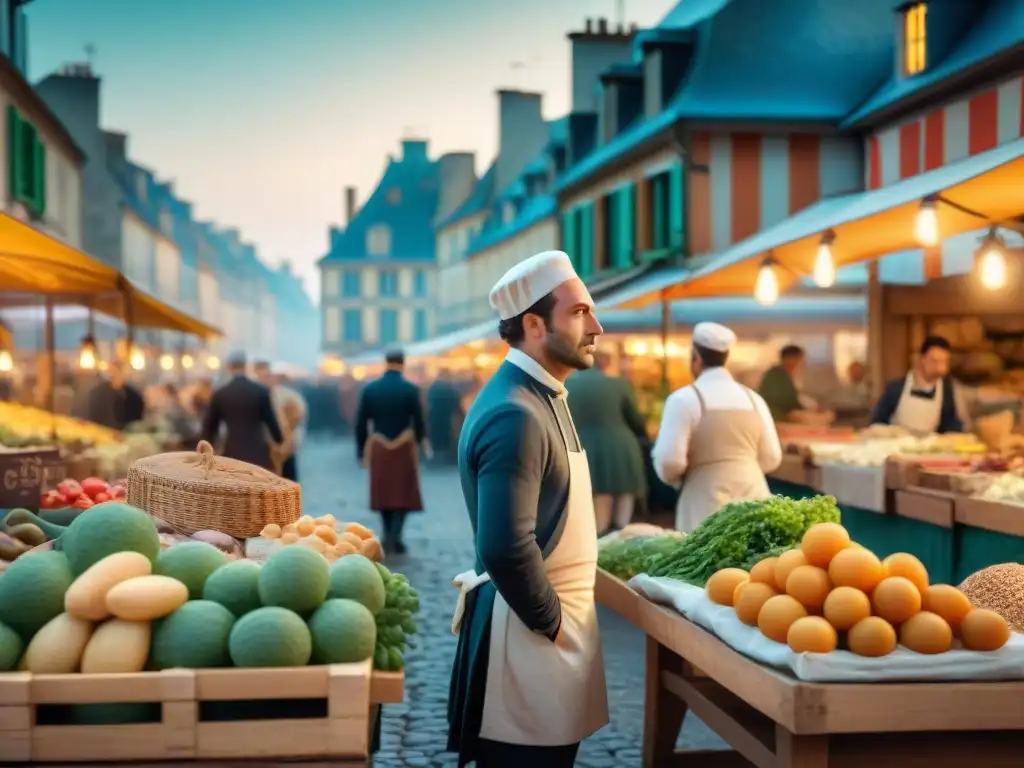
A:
(781, 390)
(717, 437)
(924, 401)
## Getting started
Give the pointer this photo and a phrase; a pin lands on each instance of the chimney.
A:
(333, 237)
(589, 28)
(593, 52)
(522, 134)
(458, 178)
(350, 204)
(602, 26)
(116, 145)
(414, 150)
(75, 100)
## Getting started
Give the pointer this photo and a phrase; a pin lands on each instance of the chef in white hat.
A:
(528, 679)
(717, 437)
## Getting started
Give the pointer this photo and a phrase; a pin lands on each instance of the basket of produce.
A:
(195, 491)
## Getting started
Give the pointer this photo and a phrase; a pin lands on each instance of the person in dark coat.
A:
(389, 431)
(243, 406)
(611, 428)
(444, 410)
(924, 401)
(114, 402)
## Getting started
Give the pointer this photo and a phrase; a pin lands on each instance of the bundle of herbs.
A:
(625, 558)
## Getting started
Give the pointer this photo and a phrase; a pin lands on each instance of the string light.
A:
(87, 354)
(213, 362)
(766, 290)
(187, 361)
(167, 361)
(991, 262)
(926, 223)
(6, 360)
(824, 262)
(137, 360)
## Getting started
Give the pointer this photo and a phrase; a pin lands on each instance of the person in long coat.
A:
(611, 428)
(444, 410)
(389, 433)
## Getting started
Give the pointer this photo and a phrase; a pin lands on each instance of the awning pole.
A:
(666, 325)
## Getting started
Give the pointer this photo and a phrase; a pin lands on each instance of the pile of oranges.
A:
(831, 592)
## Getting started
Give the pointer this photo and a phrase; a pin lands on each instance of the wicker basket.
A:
(199, 491)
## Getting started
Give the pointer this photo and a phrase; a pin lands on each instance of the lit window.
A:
(915, 45)
(378, 240)
(394, 196)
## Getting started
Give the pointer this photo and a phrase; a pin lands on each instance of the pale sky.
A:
(261, 111)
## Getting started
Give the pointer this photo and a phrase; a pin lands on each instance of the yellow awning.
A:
(141, 310)
(867, 225)
(33, 262)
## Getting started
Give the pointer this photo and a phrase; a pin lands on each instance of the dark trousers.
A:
(290, 470)
(394, 522)
(495, 754)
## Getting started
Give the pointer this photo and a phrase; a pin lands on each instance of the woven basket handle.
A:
(206, 457)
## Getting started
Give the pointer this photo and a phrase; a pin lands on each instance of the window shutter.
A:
(675, 205)
(586, 260)
(658, 212)
(27, 153)
(629, 221)
(569, 244)
(14, 153)
(39, 162)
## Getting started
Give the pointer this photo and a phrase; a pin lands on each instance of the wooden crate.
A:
(60, 704)
(15, 718)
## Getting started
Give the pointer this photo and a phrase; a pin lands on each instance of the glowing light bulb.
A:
(926, 225)
(87, 359)
(187, 361)
(992, 267)
(766, 290)
(6, 361)
(137, 360)
(824, 267)
(213, 362)
(166, 361)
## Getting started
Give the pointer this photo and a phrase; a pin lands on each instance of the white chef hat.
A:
(713, 336)
(530, 280)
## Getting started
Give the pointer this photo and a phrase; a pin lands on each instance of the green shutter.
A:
(622, 232)
(39, 163)
(658, 212)
(675, 205)
(629, 224)
(14, 153)
(586, 262)
(569, 234)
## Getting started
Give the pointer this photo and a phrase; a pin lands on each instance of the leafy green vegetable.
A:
(626, 558)
(741, 534)
(395, 622)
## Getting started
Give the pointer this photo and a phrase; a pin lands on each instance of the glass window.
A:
(915, 47)
(352, 283)
(378, 240)
(419, 327)
(353, 325)
(387, 284)
(388, 326)
(330, 278)
(419, 283)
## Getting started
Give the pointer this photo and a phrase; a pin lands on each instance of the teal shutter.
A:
(659, 213)
(621, 231)
(569, 244)
(675, 205)
(629, 224)
(39, 187)
(586, 261)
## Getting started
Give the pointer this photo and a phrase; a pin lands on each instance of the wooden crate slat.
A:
(349, 689)
(169, 685)
(261, 683)
(387, 687)
(283, 738)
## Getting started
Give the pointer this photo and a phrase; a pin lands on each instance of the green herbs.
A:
(395, 622)
(741, 534)
(626, 558)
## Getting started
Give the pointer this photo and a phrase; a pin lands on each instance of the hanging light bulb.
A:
(167, 361)
(991, 262)
(213, 362)
(766, 289)
(137, 360)
(87, 354)
(6, 361)
(824, 263)
(187, 361)
(926, 224)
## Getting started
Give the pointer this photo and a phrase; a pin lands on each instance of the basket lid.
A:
(203, 468)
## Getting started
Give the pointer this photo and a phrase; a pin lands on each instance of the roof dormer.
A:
(666, 59)
(912, 38)
(622, 100)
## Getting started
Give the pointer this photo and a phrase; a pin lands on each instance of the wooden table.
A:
(773, 720)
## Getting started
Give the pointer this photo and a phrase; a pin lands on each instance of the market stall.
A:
(208, 619)
(801, 648)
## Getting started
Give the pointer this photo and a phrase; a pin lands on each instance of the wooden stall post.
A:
(666, 327)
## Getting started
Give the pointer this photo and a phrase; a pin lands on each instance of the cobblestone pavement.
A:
(440, 546)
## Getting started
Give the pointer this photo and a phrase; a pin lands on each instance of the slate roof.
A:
(410, 220)
(783, 42)
(533, 210)
(479, 199)
(998, 29)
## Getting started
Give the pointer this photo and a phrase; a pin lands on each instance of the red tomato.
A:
(82, 502)
(46, 500)
(117, 492)
(92, 486)
(53, 500)
(70, 489)
(99, 498)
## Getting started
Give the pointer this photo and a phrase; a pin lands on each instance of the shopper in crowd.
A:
(243, 407)
(292, 413)
(781, 388)
(114, 402)
(182, 423)
(611, 430)
(717, 438)
(389, 432)
(924, 401)
(531, 692)
(444, 411)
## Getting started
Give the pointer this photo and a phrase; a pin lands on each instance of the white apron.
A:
(919, 415)
(541, 693)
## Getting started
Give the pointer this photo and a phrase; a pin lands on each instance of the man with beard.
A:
(528, 679)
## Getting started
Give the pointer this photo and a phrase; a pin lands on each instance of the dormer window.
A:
(166, 223)
(915, 39)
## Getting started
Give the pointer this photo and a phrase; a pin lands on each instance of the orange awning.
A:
(867, 225)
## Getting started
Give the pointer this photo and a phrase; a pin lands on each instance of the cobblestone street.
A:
(440, 546)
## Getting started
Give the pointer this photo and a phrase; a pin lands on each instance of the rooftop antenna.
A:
(620, 13)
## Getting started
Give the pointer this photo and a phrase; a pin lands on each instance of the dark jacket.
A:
(244, 407)
(779, 392)
(390, 405)
(444, 409)
(610, 427)
(115, 408)
(949, 420)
